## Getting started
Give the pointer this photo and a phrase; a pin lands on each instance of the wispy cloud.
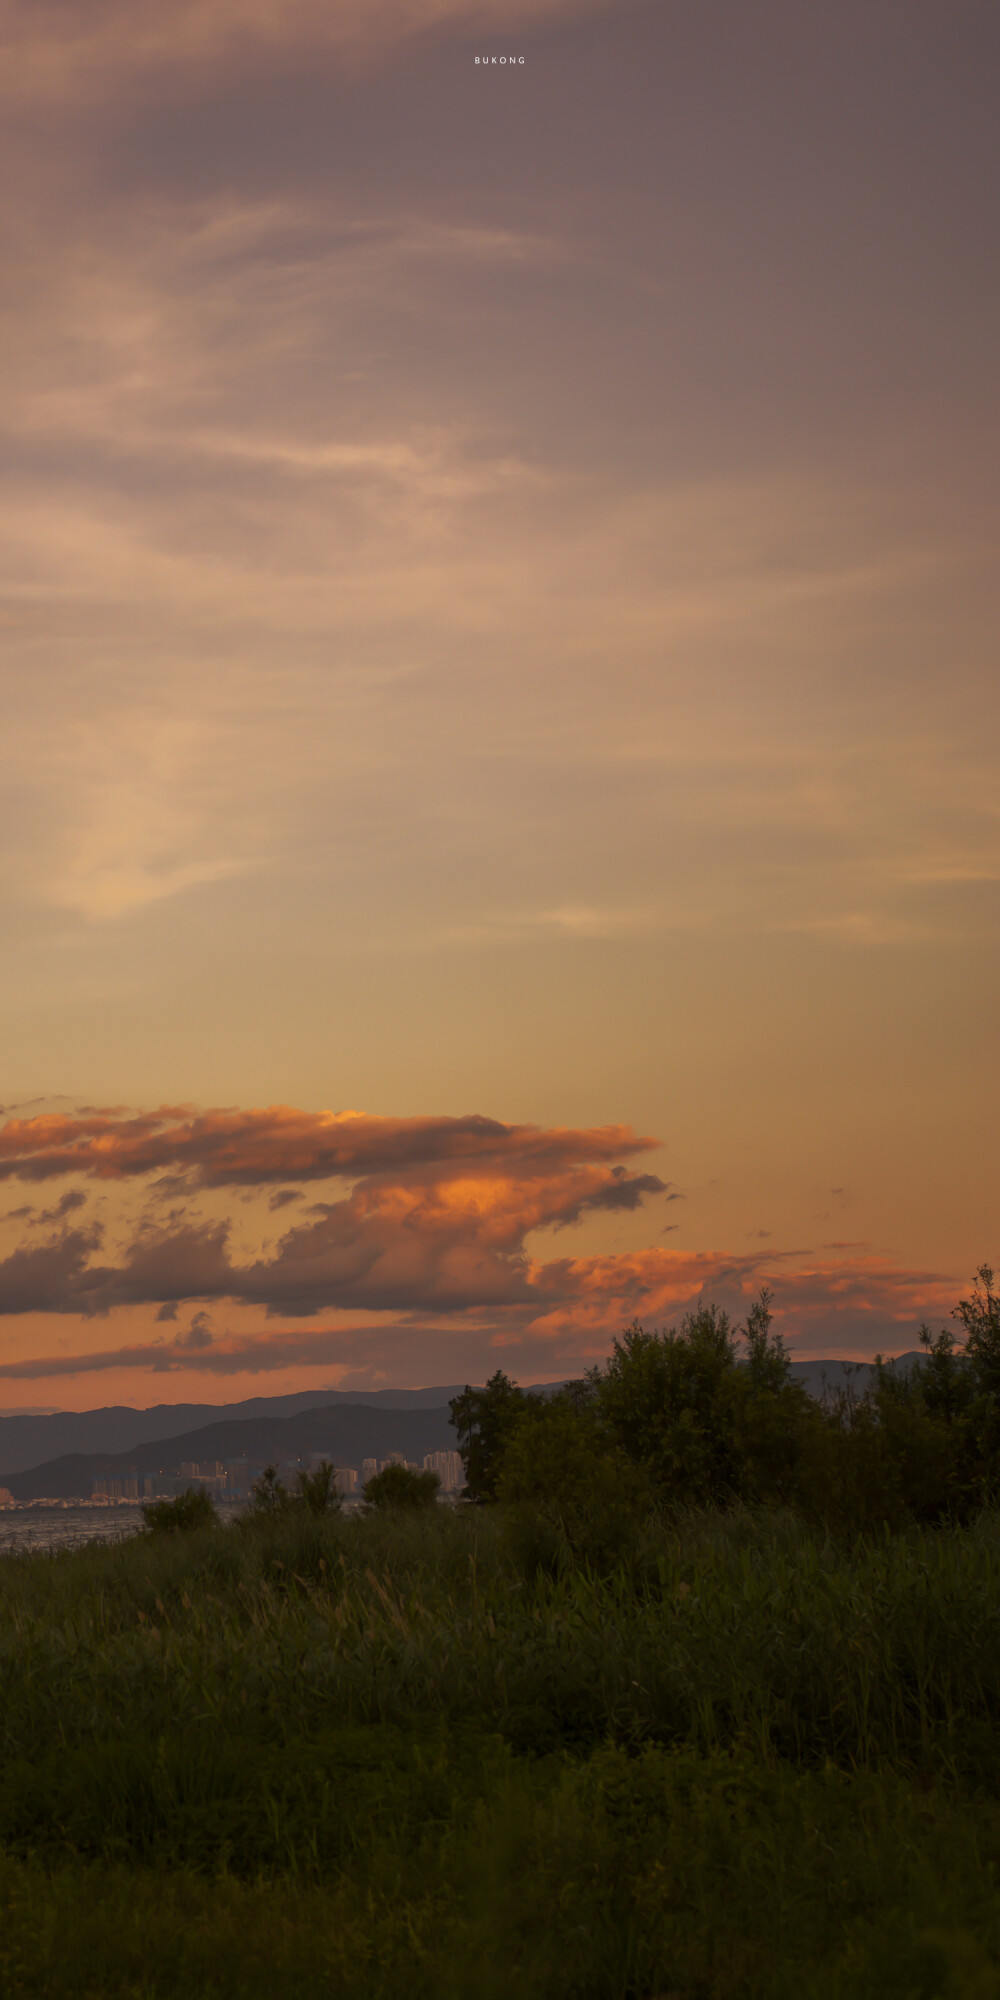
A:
(58, 51)
(245, 556)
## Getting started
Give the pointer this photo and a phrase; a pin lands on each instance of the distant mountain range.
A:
(817, 1376)
(346, 1433)
(349, 1425)
(33, 1440)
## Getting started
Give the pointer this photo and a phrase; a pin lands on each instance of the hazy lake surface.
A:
(23, 1528)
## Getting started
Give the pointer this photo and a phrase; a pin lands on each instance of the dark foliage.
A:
(190, 1510)
(400, 1486)
(708, 1415)
(484, 1420)
(583, 1744)
(313, 1493)
(316, 1491)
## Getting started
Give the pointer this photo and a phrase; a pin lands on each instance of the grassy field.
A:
(393, 1756)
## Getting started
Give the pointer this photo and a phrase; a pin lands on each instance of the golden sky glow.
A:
(498, 605)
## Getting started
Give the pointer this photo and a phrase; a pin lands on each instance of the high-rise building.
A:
(369, 1470)
(449, 1468)
(117, 1486)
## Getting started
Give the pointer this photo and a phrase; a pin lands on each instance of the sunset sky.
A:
(500, 721)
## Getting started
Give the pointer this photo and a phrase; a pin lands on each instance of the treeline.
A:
(708, 1415)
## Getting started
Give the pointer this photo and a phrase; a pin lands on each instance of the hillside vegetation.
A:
(602, 1747)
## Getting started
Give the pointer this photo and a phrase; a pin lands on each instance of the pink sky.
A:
(498, 628)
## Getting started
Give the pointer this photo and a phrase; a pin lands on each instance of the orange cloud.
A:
(813, 1300)
(254, 1148)
(385, 1248)
(584, 1303)
(436, 1220)
(435, 1226)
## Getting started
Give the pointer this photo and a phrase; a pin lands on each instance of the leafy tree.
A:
(935, 1428)
(317, 1491)
(980, 1316)
(709, 1413)
(923, 1443)
(767, 1359)
(944, 1380)
(401, 1487)
(193, 1509)
(484, 1420)
(705, 1428)
(561, 1463)
(665, 1398)
(268, 1494)
(775, 1420)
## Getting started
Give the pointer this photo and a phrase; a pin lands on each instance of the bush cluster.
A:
(313, 1493)
(709, 1415)
(402, 1486)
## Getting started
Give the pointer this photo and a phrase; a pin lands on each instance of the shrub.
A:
(401, 1487)
(316, 1491)
(193, 1509)
(268, 1495)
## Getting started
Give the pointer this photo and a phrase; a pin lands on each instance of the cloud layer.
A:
(255, 1148)
(436, 1227)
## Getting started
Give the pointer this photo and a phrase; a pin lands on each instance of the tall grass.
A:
(720, 1632)
(734, 1762)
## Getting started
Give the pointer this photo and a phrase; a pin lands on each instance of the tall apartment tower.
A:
(449, 1468)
